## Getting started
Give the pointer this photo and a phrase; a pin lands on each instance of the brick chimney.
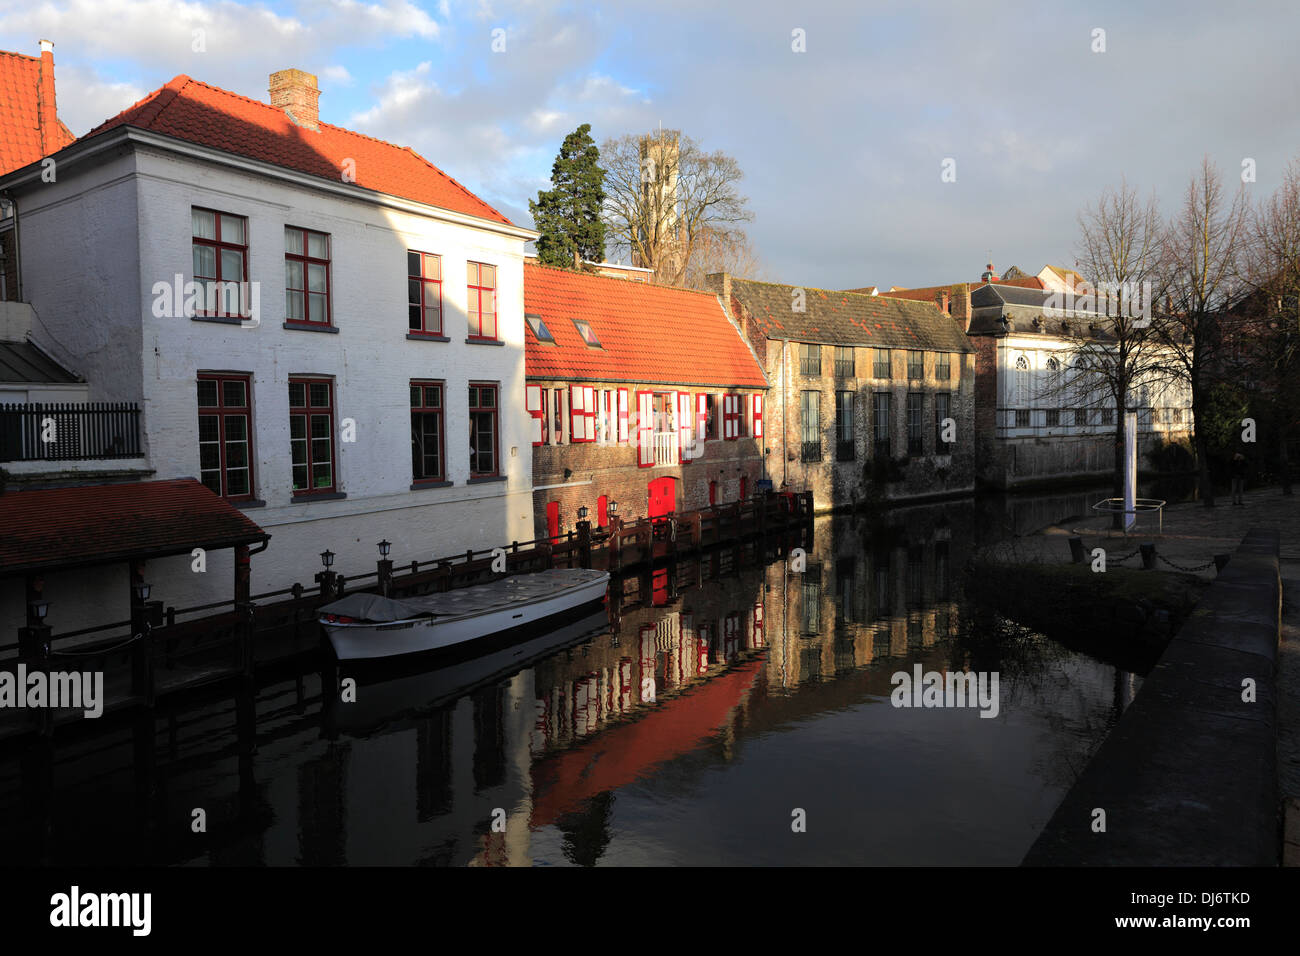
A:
(296, 93)
(719, 283)
(941, 300)
(961, 306)
(49, 115)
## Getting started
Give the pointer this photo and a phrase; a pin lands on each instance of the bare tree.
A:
(667, 200)
(1119, 255)
(1269, 336)
(717, 252)
(1202, 253)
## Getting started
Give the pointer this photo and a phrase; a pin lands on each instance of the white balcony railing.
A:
(666, 447)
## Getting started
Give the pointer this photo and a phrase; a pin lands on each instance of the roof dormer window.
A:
(588, 335)
(540, 331)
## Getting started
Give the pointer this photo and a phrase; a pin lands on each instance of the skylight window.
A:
(542, 333)
(588, 336)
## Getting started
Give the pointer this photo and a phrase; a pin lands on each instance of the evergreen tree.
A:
(568, 215)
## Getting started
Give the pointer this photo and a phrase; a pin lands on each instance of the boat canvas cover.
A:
(516, 590)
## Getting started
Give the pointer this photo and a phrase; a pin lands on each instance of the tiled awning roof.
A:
(24, 362)
(100, 524)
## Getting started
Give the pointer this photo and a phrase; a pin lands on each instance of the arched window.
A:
(1022, 381)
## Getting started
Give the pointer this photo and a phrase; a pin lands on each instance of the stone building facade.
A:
(871, 398)
(629, 383)
(1039, 415)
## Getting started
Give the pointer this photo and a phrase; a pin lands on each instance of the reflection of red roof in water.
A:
(623, 753)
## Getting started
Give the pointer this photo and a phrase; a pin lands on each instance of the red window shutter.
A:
(758, 416)
(536, 408)
(685, 425)
(589, 411)
(645, 452)
(758, 625)
(730, 417)
(701, 421)
(622, 414)
(577, 419)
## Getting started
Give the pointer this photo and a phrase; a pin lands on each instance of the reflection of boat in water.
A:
(621, 754)
(369, 626)
(387, 696)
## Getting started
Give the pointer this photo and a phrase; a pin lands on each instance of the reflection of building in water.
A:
(865, 592)
(548, 745)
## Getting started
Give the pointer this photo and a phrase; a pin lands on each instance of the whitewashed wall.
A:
(95, 244)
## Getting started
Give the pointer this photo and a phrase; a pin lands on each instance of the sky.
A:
(842, 115)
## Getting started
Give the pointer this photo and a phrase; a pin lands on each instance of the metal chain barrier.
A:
(1199, 567)
(96, 653)
(1110, 560)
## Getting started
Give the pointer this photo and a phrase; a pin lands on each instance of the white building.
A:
(1040, 413)
(359, 381)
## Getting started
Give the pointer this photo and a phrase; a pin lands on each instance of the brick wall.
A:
(611, 469)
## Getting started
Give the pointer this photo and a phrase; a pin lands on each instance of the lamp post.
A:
(385, 567)
(584, 538)
(34, 639)
(326, 578)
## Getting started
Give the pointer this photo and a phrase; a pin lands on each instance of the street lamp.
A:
(582, 513)
(612, 507)
(327, 558)
(141, 591)
(39, 609)
(384, 547)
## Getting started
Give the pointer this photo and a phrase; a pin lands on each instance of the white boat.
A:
(369, 626)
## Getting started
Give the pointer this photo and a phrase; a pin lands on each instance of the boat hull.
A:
(356, 642)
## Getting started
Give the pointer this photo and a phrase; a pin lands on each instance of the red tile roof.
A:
(648, 333)
(208, 116)
(29, 128)
(99, 524)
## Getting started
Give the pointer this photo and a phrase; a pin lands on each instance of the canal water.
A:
(730, 715)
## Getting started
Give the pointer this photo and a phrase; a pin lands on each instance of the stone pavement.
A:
(1190, 537)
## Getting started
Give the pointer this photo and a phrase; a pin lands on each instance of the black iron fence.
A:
(37, 431)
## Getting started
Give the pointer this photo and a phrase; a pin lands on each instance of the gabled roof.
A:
(24, 362)
(208, 116)
(29, 127)
(848, 318)
(991, 302)
(648, 333)
(927, 293)
(98, 524)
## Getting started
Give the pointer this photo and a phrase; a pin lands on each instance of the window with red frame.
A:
(220, 243)
(426, 432)
(424, 293)
(482, 304)
(482, 430)
(311, 434)
(226, 435)
(306, 276)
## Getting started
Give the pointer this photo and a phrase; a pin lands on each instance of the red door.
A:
(553, 520)
(602, 511)
(663, 497)
(713, 492)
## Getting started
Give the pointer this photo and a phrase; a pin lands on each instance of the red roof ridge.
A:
(534, 264)
(25, 56)
(174, 86)
(146, 112)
